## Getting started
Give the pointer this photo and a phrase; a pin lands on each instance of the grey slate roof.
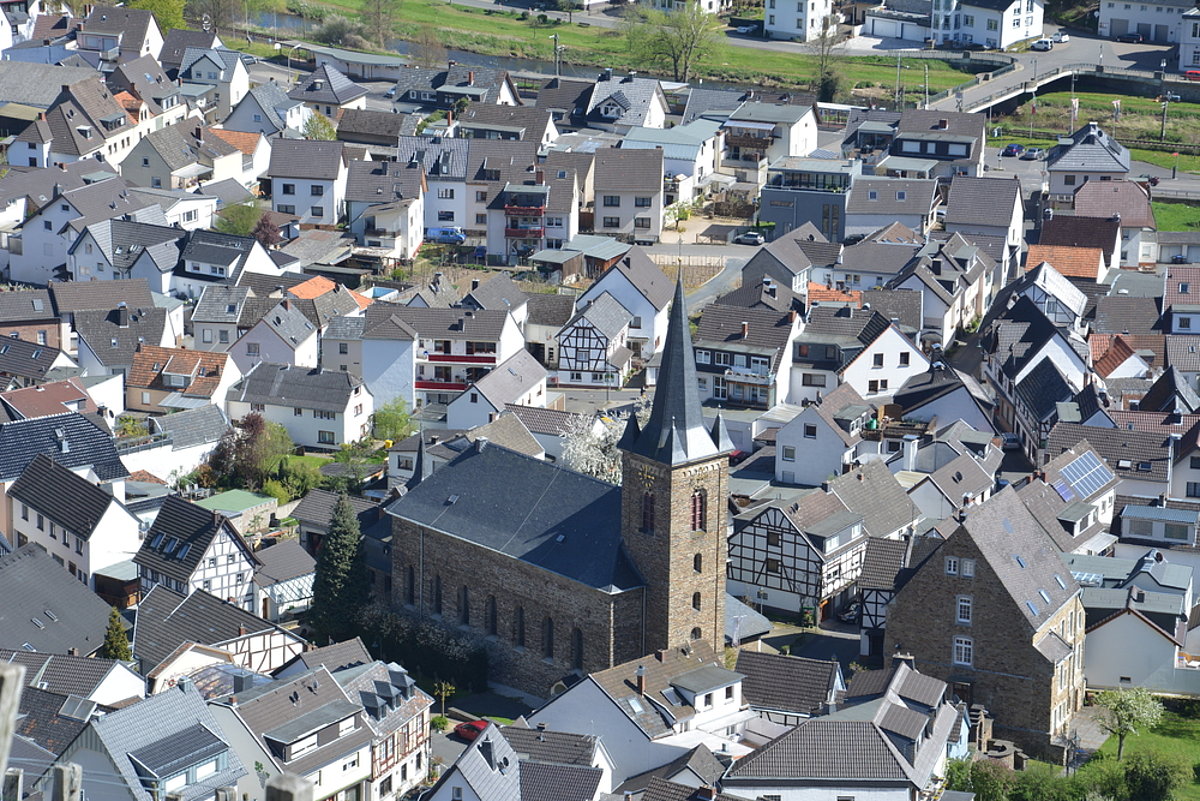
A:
(882, 562)
(559, 747)
(480, 325)
(204, 425)
(166, 620)
(542, 781)
(356, 123)
(274, 102)
(68, 499)
(1091, 150)
(188, 525)
(39, 85)
(289, 323)
(891, 196)
(383, 181)
(554, 422)
(633, 94)
(88, 445)
(283, 561)
(308, 159)
(824, 749)
(19, 357)
(981, 201)
(220, 304)
(545, 515)
(1043, 388)
(62, 674)
(675, 433)
(290, 385)
(767, 331)
(497, 292)
(122, 242)
(606, 315)
(334, 657)
(114, 344)
(628, 170)
(873, 492)
(510, 379)
(1020, 554)
(45, 607)
(166, 729)
(327, 85)
(40, 718)
(32, 304)
(786, 683)
(1126, 452)
(73, 296)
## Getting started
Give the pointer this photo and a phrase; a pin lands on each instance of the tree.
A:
(443, 690)
(266, 232)
(827, 80)
(674, 40)
(214, 15)
(342, 32)
(590, 446)
(990, 781)
(1155, 775)
(393, 421)
(318, 126)
(250, 452)
(427, 48)
(1127, 711)
(116, 643)
(239, 220)
(358, 460)
(167, 13)
(380, 17)
(340, 590)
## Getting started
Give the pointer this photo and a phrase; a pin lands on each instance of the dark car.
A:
(1135, 38)
(471, 729)
(851, 613)
(1013, 149)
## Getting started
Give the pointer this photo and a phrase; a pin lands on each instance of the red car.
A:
(471, 729)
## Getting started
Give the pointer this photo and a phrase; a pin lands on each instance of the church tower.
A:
(673, 500)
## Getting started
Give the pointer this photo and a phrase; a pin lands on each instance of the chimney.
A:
(706, 793)
(122, 315)
(72, 651)
(604, 76)
(485, 751)
(943, 124)
(199, 133)
(792, 316)
(183, 683)
(540, 177)
(910, 451)
(474, 284)
(470, 77)
(541, 727)
(242, 631)
(903, 657)
(640, 679)
(745, 329)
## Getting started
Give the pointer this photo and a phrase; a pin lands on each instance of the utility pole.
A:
(68, 782)
(1162, 132)
(926, 106)
(557, 68)
(897, 81)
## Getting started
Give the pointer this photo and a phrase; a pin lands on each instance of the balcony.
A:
(516, 210)
(749, 377)
(441, 386)
(524, 233)
(461, 358)
(748, 141)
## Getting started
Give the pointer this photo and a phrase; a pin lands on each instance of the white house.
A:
(1158, 21)
(210, 257)
(385, 206)
(283, 336)
(640, 286)
(266, 109)
(808, 21)
(308, 179)
(84, 528)
(993, 25)
(319, 408)
(884, 364)
(757, 131)
(591, 345)
(222, 69)
(987, 206)
(1091, 154)
(189, 548)
(520, 379)
(822, 440)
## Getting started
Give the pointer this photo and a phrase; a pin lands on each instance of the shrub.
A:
(439, 723)
(1154, 775)
(276, 490)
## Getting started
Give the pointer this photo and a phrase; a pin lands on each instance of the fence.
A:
(1142, 144)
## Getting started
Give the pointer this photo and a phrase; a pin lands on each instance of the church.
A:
(567, 575)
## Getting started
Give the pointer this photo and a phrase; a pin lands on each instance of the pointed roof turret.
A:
(675, 433)
(422, 466)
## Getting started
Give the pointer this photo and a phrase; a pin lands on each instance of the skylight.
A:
(1033, 610)
(1045, 595)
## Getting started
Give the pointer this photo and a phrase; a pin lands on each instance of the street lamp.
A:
(557, 55)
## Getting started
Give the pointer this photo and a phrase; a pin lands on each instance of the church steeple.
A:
(674, 485)
(675, 434)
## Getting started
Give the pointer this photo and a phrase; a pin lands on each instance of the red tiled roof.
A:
(1071, 262)
(1118, 351)
(824, 294)
(44, 400)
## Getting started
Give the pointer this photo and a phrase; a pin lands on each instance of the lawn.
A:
(308, 458)
(1176, 216)
(499, 32)
(1177, 735)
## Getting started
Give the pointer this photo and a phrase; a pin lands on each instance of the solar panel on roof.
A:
(1064, 491)
(1087, 474)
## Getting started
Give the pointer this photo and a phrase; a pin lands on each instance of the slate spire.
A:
(422, 467)
(676, 434)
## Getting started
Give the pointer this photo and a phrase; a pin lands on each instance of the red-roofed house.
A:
(44, 400)
(1071, 262)
(1120, 361)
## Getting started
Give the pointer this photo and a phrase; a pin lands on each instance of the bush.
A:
(277, 491)
(439, 723)
(426, 647)
(1154, 775)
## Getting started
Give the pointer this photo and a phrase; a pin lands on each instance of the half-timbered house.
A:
(167, 621)
(883, 570)
(592, 348)
(797, 557)
(190, 548)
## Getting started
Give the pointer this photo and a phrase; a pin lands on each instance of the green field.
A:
(1176, 216)
(500, 32)
(1175, 735)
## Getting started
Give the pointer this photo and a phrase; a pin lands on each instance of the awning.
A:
(192, 171)
(754, 126)
(177, 400)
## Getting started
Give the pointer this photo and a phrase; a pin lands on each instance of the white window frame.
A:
(963, 651)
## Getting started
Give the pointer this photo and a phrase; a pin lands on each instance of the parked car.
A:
(1012, 149)
(1010, 441)
(390, 92)
(470, 729)
(1033, 154)
(1060, 37)
(446, 236)
(747, 28)
(1135, 38)
(1192, 75)
(1042, 44)
(1171, 97)
(750, 238)
(851, 612)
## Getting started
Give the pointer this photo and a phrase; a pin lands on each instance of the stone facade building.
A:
(996, 613)
(559, 573)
